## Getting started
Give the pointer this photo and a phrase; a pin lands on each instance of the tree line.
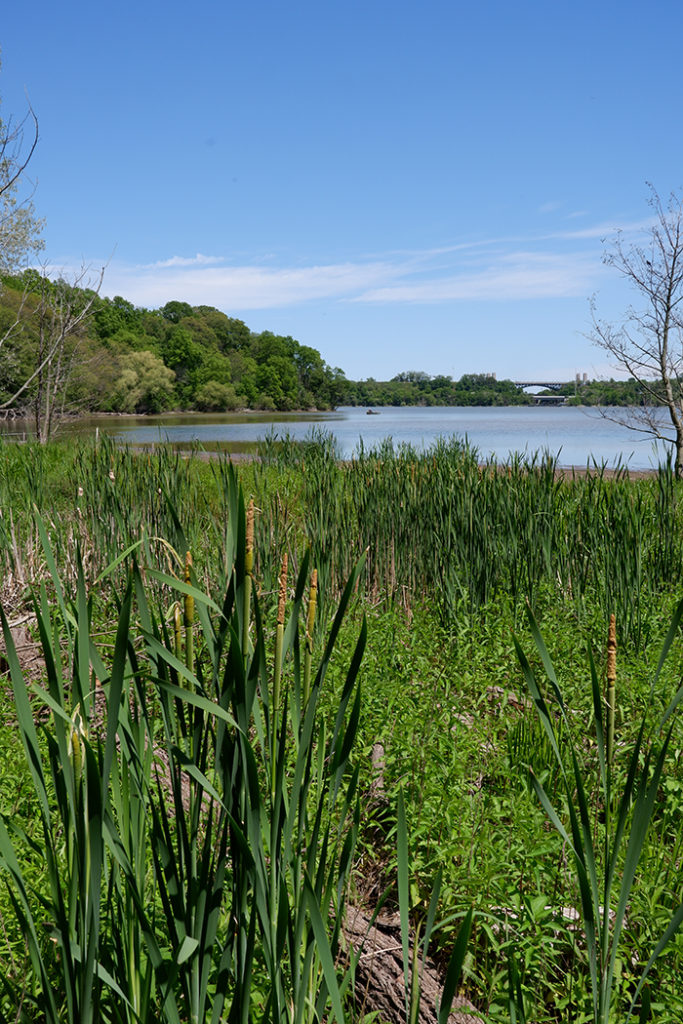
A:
(68, 350)
(128, 359)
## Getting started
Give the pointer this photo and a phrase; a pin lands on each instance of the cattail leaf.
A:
(29, 735)
(545, 657)
(598, 720)
(184, 588)
(52, 566)
(539, 702)
(671, 634)
(403, 858)
(109, 569)
(324, 952)
(455, 966)
(116, 684)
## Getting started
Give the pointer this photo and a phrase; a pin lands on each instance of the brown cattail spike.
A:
(611, 685)
(612, 651)
(310, 625)
(312, 602)
(250, 537)
(188, 616)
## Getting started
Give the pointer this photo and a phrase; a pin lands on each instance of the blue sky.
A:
(424, 186)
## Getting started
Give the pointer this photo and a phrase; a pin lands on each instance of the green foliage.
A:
(143, 385)
(205, 350)
(197, 832)
(440, 525)
(441, 692)
(606, 856)
(216, 397)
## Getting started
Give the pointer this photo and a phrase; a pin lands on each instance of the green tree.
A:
(277, 380)
(112, 316)
(144, 384)
(215, 396)
(175, 311)
(184, 356)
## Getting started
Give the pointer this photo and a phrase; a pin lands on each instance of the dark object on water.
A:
(371, 412)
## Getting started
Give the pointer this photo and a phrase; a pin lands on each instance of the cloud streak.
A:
(184, 261)
(496, 269)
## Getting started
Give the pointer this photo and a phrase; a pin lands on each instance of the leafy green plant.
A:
(198, 819)
(605, 856)
(413, 963)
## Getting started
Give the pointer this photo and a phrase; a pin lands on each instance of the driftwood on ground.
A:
(380, 985)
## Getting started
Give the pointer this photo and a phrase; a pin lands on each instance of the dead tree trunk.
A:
(380, 984)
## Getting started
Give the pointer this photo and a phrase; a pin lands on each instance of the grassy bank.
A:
(264, 715)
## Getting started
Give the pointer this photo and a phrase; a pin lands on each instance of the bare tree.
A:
(51, 325)
(48, 322)
(647, 342)
(19, 227)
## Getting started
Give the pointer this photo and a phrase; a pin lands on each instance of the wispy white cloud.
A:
(521, 275)
(185, 261)
(246, 287)
(561, 264)
(607, 229)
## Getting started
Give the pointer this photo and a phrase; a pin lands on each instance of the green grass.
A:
(445, 557)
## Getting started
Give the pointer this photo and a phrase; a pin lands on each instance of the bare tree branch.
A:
(648, 342)
(62, 310)
(14, 157)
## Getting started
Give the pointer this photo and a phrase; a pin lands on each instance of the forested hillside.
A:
(129, 359)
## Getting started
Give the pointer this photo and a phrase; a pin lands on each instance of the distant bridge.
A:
(547, 385)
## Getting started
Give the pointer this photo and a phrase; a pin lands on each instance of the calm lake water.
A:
(577, 436)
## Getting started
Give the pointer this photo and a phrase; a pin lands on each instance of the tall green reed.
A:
(198, 821)
(606, 833)
(445, 526)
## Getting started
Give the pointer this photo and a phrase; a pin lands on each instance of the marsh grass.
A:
(606, 852)
(442, 554)
(197, 822)
(440, 524)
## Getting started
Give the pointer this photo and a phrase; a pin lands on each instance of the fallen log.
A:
(380, 985)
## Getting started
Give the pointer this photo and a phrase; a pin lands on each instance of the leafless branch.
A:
(648, 342)
(14, 156)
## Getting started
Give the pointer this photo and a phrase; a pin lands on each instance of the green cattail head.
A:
(178, 629)
(248, 569)
(281, 603)
(282, 594)
(76, 745)
(189, 600)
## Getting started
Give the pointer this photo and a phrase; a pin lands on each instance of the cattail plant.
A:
(308, 641)
(188, 615)
(605, 860)
(207, 860)
(248, 570)
(611, 687)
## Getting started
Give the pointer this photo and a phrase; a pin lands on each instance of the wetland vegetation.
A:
(199, 662)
